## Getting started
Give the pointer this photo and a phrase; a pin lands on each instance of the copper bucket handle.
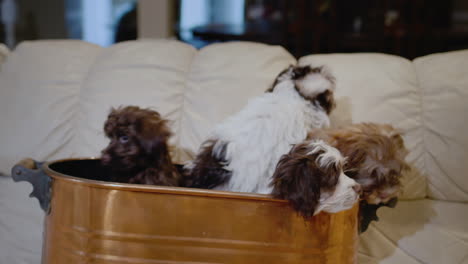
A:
(31, 171)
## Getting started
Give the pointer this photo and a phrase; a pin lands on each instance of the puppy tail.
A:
(208, 169)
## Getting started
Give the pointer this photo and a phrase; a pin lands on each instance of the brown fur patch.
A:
(299, 179)
(208, 170)
(138, 151)
(325, 100)
(375, 157)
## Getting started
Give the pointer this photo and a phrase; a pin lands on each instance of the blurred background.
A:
(408, 28)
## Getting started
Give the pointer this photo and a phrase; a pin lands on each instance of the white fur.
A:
(344, 195)
(366, 181)
(316, 83)
(330, 156)
(262, 132)
(342, 198)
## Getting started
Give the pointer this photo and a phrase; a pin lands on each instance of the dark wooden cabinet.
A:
(408, 28)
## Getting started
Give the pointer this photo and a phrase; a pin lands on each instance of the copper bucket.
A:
(89, 220)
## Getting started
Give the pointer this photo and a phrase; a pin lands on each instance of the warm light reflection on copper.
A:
(98, 222)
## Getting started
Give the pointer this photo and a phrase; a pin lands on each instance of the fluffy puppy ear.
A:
(327, 101)
(300, 72)
(296, 180)
(111, 123)
(153, 134)
(317, 85)
(287, 73)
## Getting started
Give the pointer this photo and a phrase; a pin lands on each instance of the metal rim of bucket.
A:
(151, 188)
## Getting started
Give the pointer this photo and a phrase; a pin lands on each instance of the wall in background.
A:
(155, 19)
(43, 19)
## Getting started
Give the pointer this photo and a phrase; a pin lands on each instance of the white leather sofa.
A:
(55, 95)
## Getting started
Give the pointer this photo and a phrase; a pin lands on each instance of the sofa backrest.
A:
(443, 82)
(55, 96)
(40, 89)
(194, 89)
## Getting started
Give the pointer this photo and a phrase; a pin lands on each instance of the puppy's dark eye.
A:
(123, 139)
(351, 173)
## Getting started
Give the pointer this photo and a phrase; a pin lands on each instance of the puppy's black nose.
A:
(357, 188)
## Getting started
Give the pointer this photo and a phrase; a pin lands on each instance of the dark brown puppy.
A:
(138, 151)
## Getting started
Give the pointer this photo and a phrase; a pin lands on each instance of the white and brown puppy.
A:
(375, 157)
(311, 178)
(242, 152)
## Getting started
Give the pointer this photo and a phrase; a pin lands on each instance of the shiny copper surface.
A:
(100, 222)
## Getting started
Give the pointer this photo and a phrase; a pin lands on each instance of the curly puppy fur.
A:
(375, 157)
(311, 178)
(242, 151)
(138, 151)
